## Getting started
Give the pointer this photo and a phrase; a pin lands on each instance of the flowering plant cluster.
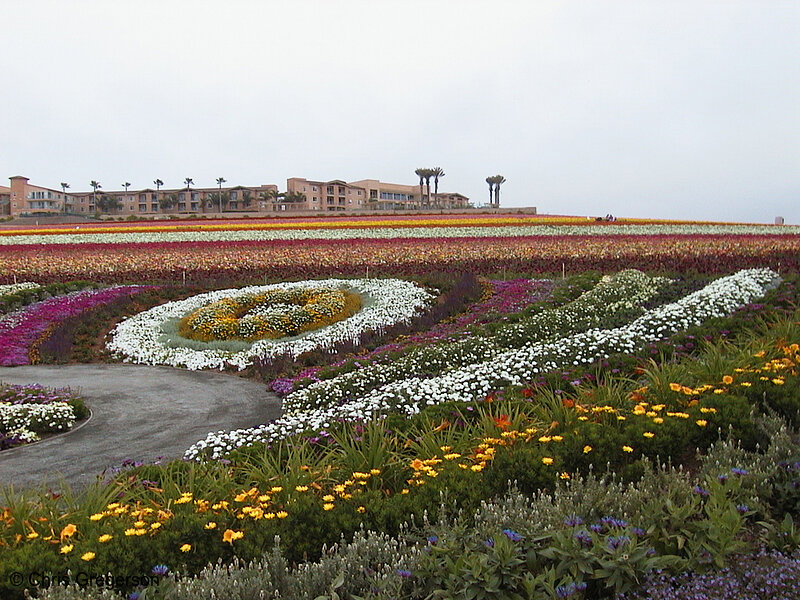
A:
(273, 314)
(514, 367)
(141, 338)
(613, 296)
(22, 330)
(500, 298)
(13, 288)
(27, 411)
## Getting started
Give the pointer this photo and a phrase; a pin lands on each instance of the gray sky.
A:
(674, 109)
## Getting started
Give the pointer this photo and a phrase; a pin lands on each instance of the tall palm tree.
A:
(498, 180)
(220, 181)
(421, 174)
(95, 185)
(437, 172)
(64, 187)
(158, 183)
(490, 181)
(428, 173)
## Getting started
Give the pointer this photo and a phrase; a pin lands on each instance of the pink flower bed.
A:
(21, 328)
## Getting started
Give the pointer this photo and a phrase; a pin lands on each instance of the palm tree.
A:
(64, 187)
(421, 174)
(490, 181)
(158, 183)
(497, 180)
(95, 185)
(437, 172)
(427, 174)
(270, 196)
(168, 201)
(220, 181)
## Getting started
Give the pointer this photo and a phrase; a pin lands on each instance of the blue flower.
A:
(701, 491)
(617, 541)
(403, 573)
(489, 543)
(512, 535)
(743, 508)
(738, 471)
(433, 539)
(160, 570)
(573, 521)
(584, 537)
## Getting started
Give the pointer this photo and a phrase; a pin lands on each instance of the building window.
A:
(314, 188)
(234, 196)
(182, 197)
(154, 207)
(315, 199)
(142, 208)
(330, 189)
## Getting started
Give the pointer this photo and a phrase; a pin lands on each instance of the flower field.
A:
(637, 384)
(290, 249)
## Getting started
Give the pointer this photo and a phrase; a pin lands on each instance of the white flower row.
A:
(719, 298)
(626, 290)
(139, 339)
(56, 416)
(313, 233)
(13, 288)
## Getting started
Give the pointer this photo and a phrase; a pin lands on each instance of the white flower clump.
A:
(56, 416)
(139, 339)
(321, 233)
(475, 381)
(13, 288)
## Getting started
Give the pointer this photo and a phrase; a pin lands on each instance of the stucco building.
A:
(302, 195)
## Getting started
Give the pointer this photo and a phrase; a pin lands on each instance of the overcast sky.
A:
(637, 108)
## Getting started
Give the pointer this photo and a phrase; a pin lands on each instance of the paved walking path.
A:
(138, 412)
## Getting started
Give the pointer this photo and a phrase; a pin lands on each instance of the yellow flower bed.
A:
(270, 315)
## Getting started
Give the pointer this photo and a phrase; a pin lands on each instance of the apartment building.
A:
(365, 194)
(24, 198)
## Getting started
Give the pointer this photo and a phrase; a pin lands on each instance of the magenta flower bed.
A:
(20, 329)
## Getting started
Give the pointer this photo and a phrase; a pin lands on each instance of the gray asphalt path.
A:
(138, 413)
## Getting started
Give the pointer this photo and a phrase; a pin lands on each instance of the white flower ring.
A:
(142, 338)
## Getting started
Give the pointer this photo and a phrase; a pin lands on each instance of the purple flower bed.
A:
(33, 393)
(20, 329)
(506, 297)
(771, 575)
